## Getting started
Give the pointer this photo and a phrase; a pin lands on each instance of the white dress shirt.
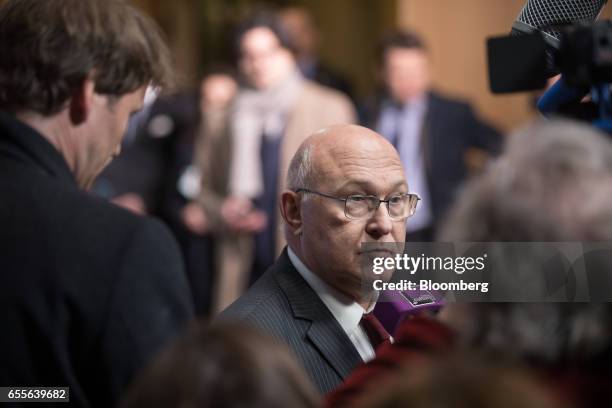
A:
(347, 312)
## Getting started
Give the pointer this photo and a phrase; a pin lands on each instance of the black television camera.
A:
(553, 37)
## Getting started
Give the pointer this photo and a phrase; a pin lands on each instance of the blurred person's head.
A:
(265, 51)
(223, 365)
(342, 161)
(461, 380)
(75, 70)
(301, 28)
(405, 66)
(217, 89)
(553, 183)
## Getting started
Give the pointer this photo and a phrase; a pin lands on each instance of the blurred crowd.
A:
(272, 175)
(210, 161)
(491, 354)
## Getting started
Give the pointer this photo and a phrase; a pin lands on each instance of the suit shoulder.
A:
(95, 220)
(450, 102)
(326, 95)
(264, 305)
(94, 209)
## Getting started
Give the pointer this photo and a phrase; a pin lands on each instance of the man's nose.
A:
(380, 223)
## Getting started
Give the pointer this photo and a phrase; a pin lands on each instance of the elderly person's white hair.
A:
(552, 183)
(300, 173)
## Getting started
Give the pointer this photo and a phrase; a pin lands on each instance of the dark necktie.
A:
(374, 330)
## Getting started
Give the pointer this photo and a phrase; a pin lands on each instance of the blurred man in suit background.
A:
(275, 110)
(438, 139)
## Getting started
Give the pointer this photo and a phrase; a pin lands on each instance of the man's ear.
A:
(290, 208)
(81, 101)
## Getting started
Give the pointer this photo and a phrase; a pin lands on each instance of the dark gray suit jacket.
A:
(282, 304)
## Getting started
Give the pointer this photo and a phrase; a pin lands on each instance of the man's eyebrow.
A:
(368, 184)
(364, 184)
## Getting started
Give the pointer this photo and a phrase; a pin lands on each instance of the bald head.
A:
(317, 157)
(331, 166)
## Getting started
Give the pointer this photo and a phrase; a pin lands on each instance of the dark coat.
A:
(88, 291)
(282, 304)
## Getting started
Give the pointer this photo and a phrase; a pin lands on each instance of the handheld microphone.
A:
(394, 306)
(547, 15)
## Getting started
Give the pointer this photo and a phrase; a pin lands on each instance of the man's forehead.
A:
(259, 37)
(348, 151)
(397, 54)
(367, 167)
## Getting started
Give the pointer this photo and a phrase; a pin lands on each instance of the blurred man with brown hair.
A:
(88, 291)
(439, 139)
(274, 112)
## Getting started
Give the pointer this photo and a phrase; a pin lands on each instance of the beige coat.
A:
(317, 107)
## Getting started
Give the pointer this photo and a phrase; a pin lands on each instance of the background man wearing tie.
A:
(440, 140)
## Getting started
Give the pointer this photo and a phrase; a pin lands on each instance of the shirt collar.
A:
(346, 311)
(418, 104)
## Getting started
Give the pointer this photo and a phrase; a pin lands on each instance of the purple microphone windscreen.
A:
(547, 15)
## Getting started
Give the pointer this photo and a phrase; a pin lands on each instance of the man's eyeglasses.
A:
(357, 207)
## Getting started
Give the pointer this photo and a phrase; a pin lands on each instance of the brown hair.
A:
(400, 39)
(50, 47)
(223, 365)
(461, 380)
(263, 19)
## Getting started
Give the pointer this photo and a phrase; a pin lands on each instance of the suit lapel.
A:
(335, 346)
(324, 332)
